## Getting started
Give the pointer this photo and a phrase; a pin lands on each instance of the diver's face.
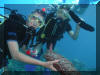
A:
(35, 21)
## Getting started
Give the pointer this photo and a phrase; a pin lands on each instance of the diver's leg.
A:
(48, 44)
(51, 45)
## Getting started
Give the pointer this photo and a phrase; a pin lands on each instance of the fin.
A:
(86, 26)
(82, 24)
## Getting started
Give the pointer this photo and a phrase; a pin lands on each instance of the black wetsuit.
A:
(16, 32)
(54, 30)
(13, 32)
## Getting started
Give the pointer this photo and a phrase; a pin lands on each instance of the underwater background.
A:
(81, 52)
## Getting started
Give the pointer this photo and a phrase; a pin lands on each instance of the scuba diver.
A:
(17, 32)
(57, 23)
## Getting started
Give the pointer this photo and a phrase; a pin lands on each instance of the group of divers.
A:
(43, 26)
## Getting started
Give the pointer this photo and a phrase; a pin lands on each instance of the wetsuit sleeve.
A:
(11, 30)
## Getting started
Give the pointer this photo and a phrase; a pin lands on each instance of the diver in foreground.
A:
(15, 33)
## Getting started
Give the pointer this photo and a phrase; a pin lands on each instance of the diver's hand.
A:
(49, 65)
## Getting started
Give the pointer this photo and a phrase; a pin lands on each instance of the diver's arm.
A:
(14, 51)
(75, 34)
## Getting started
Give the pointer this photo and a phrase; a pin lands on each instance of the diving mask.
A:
(38, 19)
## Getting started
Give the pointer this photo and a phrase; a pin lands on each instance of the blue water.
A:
(82, 50)
(2, 2)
